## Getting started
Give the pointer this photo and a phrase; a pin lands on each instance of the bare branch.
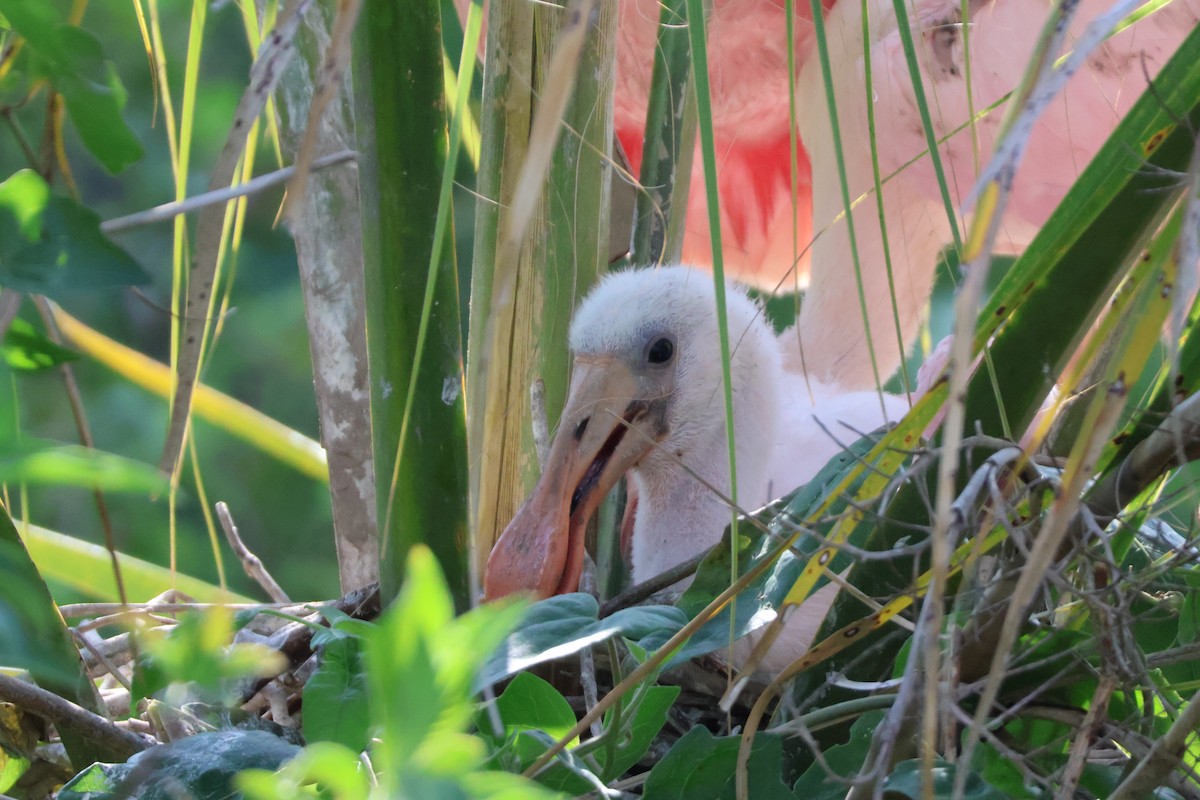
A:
(67, 716)
(168, 211)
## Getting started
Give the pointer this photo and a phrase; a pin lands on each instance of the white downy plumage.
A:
(646, 399)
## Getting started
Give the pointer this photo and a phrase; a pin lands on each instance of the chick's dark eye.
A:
(661, 351)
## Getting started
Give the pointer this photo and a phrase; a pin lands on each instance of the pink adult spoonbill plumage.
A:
(748, 75)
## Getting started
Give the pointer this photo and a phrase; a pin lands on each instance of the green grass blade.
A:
(401, 122)
(667, 145)
(868, 79)
(843, 184)
(914, 72)
(699, 45)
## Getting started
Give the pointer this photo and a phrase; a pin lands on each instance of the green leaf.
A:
(535, 715)
(421, 667)
(565, 624)
(649, 709)
(532, 703)
(74, 61)
(198, 651)
(905, 782)
(504, 786)
(12, 767)
(404, 691)
(36, 639)
(95, 106)
(87, 569)
(35, 461)
(70, 255)
(335, 697)
(333, 767)
(201, 767)
(26, 349)
(701, 767)
(36, 22)
(24, 196)
(843, 759)
(1000, 772)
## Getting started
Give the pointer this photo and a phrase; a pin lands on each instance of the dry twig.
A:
(251, 563)
(68, 716)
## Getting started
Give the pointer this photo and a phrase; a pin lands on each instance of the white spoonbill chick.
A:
(646, 400)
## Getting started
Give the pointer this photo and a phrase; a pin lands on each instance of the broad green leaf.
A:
(87, 568)
(701, 767)
(12, 767)
(1000, 772)
(649, 713)
(26, 349)
(906, 780)
(465, 646)
(33, 635)
(74, 61)
(534, 716)
(563, 625)
(449, 754)
(504, 786)
(845, 760)
(23, 196)
(335, 697)
(198, 651)
(405, 696)
(36, 639)
(95, 98)
(200, 767)
(421, 667)
(331, 766)
(34, 461)
(529, 702)
(38, 24)
(69, 255)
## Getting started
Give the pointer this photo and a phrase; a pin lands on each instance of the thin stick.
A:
(251, 563)
(1154, 769)
(67, 716)
(168, 211)
(103, 660)
(75, 399)
(636, 594)
(80, 610)
(10, 304)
